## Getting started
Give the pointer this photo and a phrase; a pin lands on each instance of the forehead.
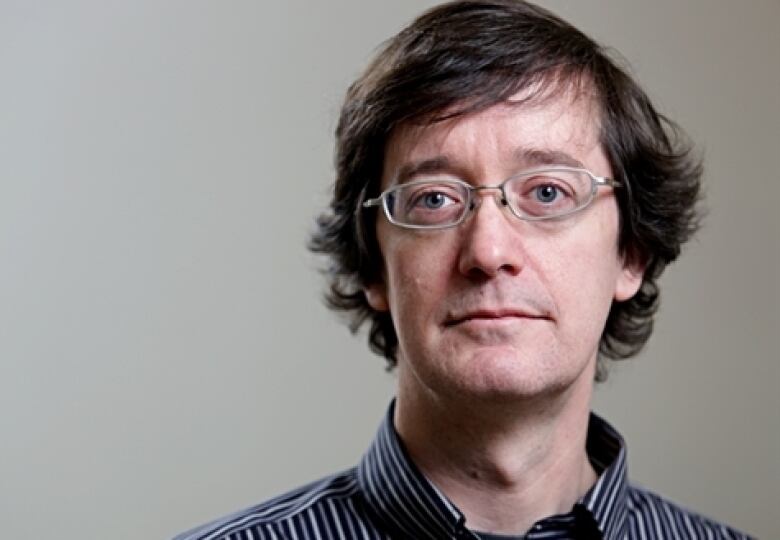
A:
(522, 132)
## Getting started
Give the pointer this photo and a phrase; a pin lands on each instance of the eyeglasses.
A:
(535, 195)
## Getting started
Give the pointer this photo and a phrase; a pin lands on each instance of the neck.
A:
(505, 465)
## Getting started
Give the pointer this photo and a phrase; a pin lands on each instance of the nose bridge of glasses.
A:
(498, 195)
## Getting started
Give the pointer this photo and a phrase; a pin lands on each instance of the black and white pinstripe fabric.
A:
(387, 497)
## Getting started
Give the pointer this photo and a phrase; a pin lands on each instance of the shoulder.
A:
(653, 516)
(308, 502)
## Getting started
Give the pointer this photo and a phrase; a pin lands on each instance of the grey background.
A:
(164, 357)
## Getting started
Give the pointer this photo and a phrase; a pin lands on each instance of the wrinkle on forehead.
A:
(560, 84)
(418, 140)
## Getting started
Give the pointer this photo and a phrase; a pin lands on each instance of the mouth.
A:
(489, 316)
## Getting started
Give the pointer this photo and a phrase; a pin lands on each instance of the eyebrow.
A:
(435, 165)
(539, 157)
(525, 157)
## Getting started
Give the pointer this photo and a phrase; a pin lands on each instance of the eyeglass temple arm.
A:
(372, 202)
(605, 181)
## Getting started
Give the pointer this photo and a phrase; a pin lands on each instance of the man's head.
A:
(482, 64)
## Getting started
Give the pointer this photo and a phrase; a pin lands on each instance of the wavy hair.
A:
(465, 56)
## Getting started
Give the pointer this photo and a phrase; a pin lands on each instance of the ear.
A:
(629, 280)
(376, 296)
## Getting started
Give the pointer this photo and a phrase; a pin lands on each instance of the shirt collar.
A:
(606, 500)
(399, 495)
(403, 500)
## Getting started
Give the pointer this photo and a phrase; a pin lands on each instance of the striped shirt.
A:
(387, 497)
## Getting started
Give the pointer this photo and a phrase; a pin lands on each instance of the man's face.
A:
(500, 307)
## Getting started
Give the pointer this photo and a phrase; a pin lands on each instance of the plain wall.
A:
(164, 354)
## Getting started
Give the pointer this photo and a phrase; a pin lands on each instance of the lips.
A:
(488, 315)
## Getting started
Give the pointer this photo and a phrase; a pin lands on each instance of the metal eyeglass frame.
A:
(471, 205)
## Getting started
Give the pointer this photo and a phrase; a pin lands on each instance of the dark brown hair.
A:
(463, 57)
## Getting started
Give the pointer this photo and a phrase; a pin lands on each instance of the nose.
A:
(491, 241)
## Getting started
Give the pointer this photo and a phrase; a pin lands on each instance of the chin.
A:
(507, 374)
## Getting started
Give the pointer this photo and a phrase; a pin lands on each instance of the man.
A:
(506, 198)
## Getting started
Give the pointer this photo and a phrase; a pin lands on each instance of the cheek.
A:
(416, 268)
(418, 273)
(581, 271)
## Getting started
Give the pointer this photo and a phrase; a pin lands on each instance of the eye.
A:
(546, 193)
(430, 203)
(430, 197)
(433, 200)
